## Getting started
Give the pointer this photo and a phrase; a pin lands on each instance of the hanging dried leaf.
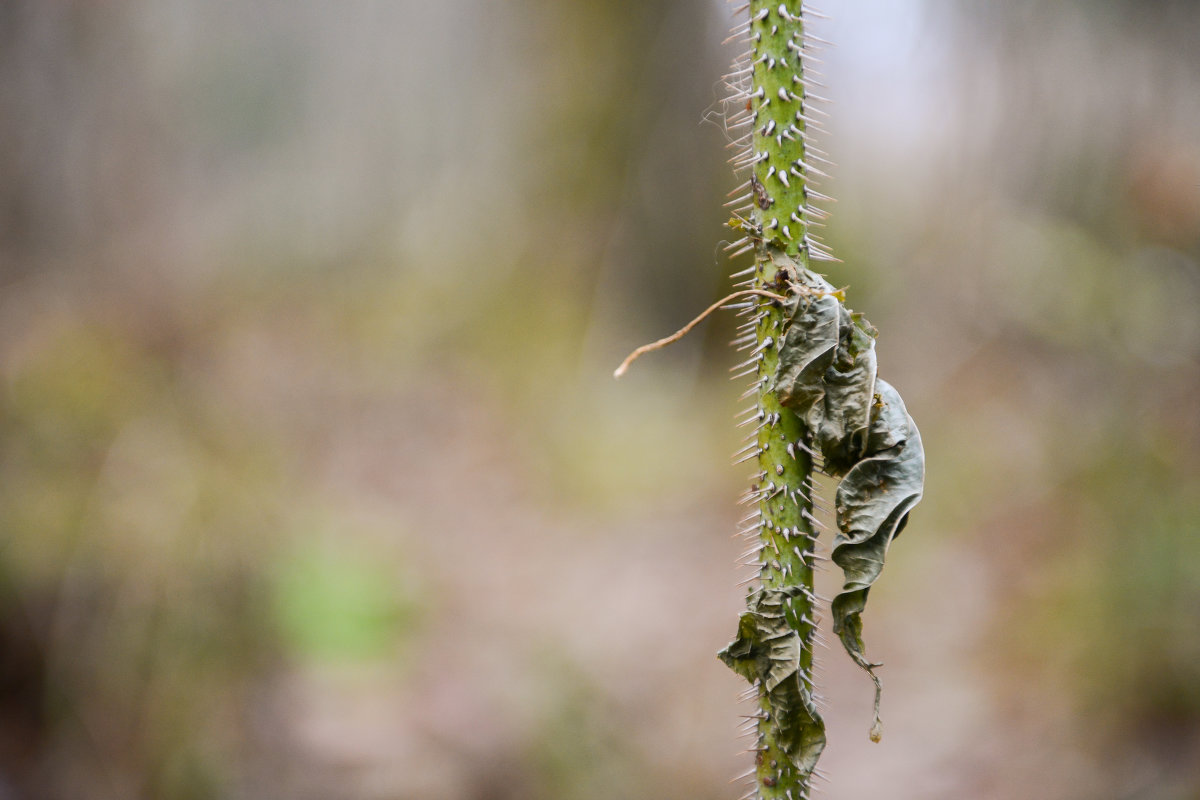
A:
(827, 375)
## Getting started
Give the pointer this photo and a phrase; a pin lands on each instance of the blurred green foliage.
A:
(134, 518)
(333, 604)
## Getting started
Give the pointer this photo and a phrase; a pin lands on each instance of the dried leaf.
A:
(873, 502)
(767, 650)
(827, 376)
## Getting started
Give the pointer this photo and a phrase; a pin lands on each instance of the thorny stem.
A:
(779, 216)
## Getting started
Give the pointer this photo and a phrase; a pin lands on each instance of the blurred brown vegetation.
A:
(314, 481)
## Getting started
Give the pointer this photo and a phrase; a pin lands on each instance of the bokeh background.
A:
(314, 481)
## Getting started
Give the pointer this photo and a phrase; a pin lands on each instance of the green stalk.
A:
(774, 646)
(816, 390)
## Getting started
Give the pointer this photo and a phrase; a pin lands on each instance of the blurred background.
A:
(314, 481)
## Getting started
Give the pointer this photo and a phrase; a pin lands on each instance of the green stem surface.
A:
(785, 472)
